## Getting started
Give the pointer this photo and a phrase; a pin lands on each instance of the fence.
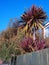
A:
(35, 58)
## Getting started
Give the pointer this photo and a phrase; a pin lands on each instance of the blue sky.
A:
(15, 8)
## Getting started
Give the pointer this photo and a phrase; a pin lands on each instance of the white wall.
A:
(46, 32)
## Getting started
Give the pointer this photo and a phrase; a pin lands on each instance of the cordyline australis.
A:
(34, 19)
(29, 45)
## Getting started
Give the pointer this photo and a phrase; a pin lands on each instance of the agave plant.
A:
(34, 19)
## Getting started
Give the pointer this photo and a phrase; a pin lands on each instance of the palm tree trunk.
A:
(34, 34)
(43, 33)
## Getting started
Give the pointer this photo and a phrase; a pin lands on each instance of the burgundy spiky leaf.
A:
(36, 13)
(36, 45)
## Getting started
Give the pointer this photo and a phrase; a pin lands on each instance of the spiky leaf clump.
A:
(29, 45)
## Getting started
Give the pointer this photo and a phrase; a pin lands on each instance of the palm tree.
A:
(34, 19)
